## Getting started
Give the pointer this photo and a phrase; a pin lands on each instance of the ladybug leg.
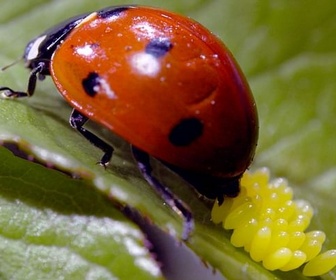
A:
(143, 162)
(34, 74)
(77, 120)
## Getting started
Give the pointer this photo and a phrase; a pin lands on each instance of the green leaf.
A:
(54, 226)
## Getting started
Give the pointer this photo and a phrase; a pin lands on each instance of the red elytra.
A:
(142, 97)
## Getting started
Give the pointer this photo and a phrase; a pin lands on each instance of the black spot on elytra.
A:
(112, 11)
(90, 83)
(186, 132)
(158, 47)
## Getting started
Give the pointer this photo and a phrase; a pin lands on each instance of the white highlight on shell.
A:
(145, 64)
(104, 85)
(86, 50)
(144, 29)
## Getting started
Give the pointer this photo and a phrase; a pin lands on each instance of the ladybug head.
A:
(42, 48)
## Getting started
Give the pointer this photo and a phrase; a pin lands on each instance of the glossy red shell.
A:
(141, 97)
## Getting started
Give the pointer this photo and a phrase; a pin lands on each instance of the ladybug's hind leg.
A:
(143, 162)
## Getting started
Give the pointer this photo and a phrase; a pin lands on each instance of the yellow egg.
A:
(240, 215)
(311, 248)
(270, 225)
(279, 239)
(267, 213)
(304, 208)
(280, 225)
(298, 258)
(286, 211)
(260, 243)
(277, 259)
(242, 235)
(220, 212)
(296, 240)
(316, 235)
(321, 264)
(299, 224)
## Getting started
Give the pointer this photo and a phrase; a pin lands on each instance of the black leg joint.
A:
(77, 120)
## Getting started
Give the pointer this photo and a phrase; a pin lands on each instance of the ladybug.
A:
(161, 81)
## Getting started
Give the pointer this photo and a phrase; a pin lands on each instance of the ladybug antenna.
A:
(11, 64)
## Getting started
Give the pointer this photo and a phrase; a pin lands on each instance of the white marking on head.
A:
(34, 48)
(145, 64)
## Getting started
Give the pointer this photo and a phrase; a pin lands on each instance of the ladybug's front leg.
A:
(173, 201)
(34, 74)
(77, 120)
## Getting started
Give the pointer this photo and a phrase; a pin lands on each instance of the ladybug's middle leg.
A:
(77, 120)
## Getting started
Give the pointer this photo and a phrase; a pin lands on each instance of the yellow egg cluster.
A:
(271, 226)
